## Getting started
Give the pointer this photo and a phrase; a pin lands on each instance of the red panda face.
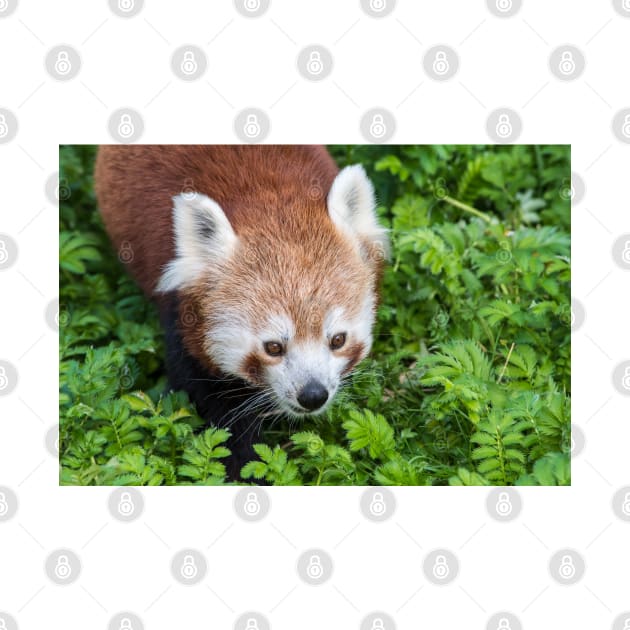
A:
(287, 302)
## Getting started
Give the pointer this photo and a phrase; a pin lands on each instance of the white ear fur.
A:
(351, 205)
(203, 236)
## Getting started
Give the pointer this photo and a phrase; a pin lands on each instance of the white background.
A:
(251, 62)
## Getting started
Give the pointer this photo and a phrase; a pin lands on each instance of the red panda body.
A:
(264, 262)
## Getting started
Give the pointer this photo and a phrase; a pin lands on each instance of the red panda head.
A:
(284, 299)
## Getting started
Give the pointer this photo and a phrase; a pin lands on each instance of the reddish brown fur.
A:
(135, 185)
(293, 258)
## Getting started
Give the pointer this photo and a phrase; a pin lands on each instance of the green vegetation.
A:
(469, 379)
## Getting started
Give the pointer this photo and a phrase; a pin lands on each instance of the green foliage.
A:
(469, 379)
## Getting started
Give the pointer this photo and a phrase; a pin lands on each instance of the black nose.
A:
(313, 395)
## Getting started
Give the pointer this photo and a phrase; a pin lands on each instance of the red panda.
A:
(264, 262)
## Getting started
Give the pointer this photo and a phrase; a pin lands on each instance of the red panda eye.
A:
(274, 348)
(337, 341)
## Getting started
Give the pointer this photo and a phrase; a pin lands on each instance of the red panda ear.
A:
(203, 238)
(351, 206)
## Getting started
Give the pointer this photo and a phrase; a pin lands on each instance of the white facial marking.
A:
(228, 343)
(278, 328)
